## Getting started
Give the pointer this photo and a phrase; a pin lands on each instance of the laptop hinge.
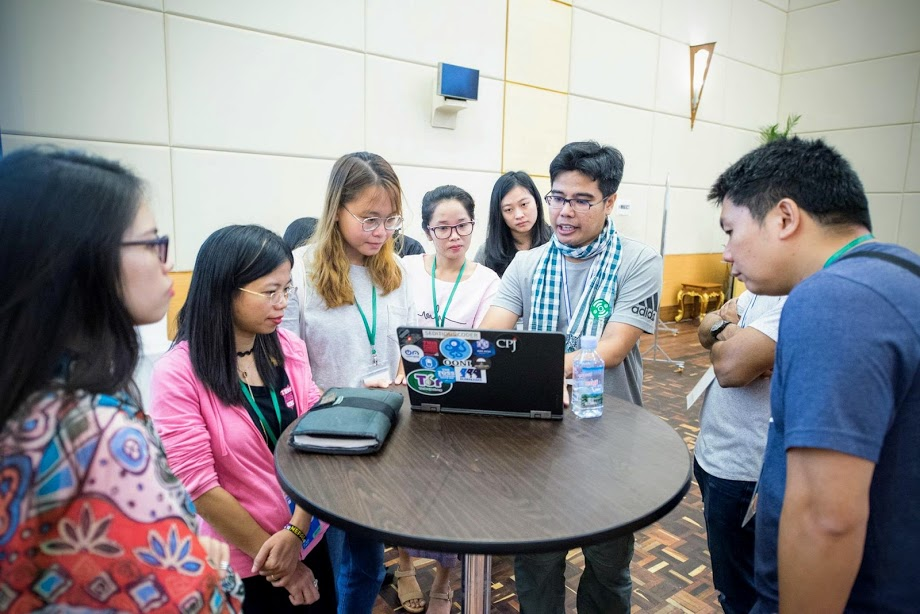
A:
(541, 414)
(436, 407)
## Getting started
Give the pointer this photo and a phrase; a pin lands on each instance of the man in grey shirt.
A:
(741, 338)
(586, 281)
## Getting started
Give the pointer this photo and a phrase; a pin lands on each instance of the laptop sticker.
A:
(483, 348)
(425, 382)
(470, 375)
(428, 362)
(446, 374)
(456, 348)
(412, 353)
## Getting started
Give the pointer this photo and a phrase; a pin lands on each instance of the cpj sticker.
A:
(425, 382)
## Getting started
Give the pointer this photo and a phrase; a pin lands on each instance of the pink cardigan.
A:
(210, 444)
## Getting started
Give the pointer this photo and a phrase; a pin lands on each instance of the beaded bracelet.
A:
(296, 531)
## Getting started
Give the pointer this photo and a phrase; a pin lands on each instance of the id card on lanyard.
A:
(378, 371)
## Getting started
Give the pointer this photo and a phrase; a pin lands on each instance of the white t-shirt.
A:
(337, 342)
(470, 302)
(734, 421)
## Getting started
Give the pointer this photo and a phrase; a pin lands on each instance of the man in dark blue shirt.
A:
(838, 526)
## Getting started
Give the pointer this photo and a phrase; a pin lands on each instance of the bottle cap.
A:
(588, 342)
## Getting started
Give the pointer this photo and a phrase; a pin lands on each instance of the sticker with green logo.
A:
(600, 308)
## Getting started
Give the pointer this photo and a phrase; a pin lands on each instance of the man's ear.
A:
(788, 218)
(610, 202)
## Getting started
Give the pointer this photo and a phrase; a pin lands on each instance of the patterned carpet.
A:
(670, 568)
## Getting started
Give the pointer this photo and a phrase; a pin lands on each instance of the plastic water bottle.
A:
(588, 384)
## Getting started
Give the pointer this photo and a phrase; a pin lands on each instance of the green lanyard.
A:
(371, 330)
(434, 295)
(265, 426)
(840, 252)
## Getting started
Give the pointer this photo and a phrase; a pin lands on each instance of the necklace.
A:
(246, 353)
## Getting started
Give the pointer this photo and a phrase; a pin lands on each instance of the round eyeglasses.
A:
(463, 229)
(554, 201)
(275, 298)
(370, 224)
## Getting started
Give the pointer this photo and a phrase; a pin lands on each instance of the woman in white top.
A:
(351, 296)
(450, 291)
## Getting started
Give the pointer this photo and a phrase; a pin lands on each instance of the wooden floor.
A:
(670, 568)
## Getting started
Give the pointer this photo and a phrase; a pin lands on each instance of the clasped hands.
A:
(279, 561)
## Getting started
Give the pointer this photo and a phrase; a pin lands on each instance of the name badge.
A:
(287, 394)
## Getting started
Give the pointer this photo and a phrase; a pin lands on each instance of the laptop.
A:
(491, 372)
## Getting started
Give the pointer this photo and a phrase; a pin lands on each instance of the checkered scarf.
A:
(590, 314)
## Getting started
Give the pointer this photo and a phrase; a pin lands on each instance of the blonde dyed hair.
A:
(351, 175)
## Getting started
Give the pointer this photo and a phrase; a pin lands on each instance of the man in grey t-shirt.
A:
(741, 338)
(586, 281)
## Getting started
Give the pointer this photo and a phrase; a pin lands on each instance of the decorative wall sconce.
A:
(700, 57)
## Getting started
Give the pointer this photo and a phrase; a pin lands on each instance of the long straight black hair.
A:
(63, 323)
(499, 245)
(228, 260)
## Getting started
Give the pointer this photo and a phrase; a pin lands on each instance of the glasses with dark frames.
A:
(160, 244)
(554, 201)
(463, 229)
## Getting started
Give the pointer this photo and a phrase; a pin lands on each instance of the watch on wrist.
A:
(717, 328)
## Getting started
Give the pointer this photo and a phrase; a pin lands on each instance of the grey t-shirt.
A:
(734, 421)
(635, 302)
(337, 342)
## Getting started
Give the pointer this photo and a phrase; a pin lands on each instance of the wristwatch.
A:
(717, 328)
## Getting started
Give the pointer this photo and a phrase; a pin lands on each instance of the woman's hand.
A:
(301, 584)
(218, 553)
(278, 557)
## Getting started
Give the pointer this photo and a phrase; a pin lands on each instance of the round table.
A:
(480, 485)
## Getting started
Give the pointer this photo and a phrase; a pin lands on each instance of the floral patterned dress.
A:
(91, 516)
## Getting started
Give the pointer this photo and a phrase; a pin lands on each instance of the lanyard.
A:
(370, 330)
(265, 426)
(565, 293)
(840, 252)
(747, 311)
(434, 295)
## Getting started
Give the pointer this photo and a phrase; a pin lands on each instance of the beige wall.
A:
(234, 110)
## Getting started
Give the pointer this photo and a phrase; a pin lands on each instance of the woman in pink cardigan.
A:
(222, 396)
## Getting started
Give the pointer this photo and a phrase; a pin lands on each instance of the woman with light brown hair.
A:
(352, 294)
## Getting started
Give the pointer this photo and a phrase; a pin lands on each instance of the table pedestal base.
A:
(477, 583)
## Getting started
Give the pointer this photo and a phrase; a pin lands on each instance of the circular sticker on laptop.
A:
(482, 347)
(426, 382)
(412, 353)
(428, 362)
(446, 374)
(456, 348)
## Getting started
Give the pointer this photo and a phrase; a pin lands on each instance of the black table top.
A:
(494, 485)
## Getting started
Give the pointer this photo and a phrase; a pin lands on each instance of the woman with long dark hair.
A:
(221, 397)
(515, 221)
(92, 517)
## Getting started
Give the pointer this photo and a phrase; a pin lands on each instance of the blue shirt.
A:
(846, 379)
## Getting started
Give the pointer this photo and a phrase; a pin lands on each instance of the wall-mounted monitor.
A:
(458, 82)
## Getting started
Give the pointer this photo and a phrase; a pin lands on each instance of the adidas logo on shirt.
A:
(649, 308)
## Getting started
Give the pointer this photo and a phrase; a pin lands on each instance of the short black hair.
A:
(810, 172)
(602, 163)
(299, 231)
(433, 198)
(63, 321)
(229, 259)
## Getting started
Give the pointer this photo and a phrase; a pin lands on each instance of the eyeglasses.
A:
(275, 298)
(160, 244)
(463, 229)
(578, 204)
(370, 224)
